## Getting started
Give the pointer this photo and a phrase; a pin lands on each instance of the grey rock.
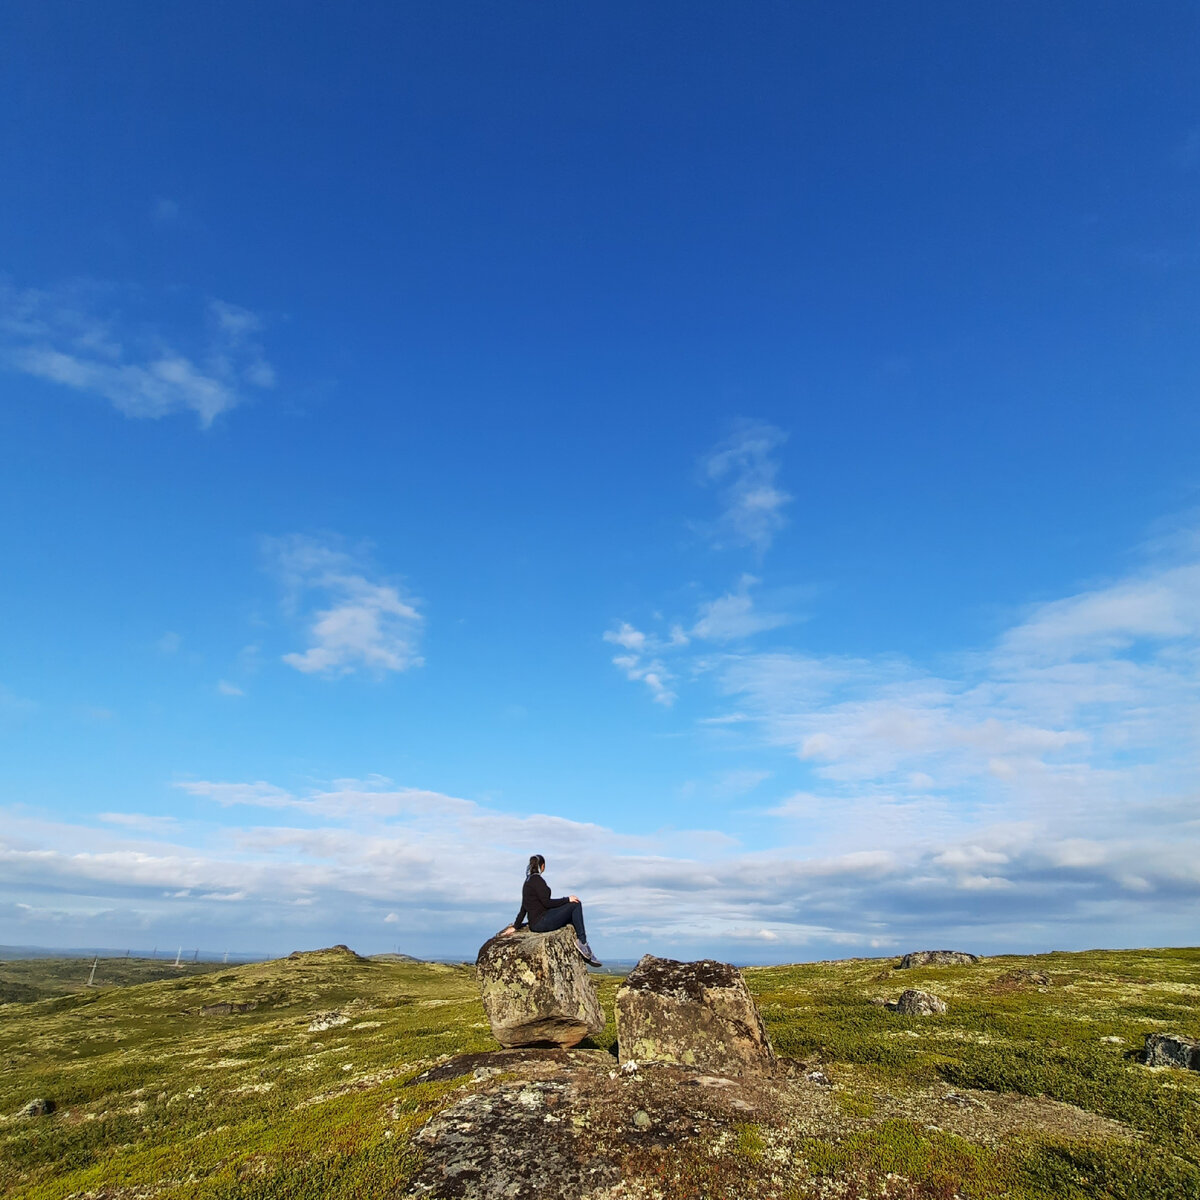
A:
(38, 1108)
(536, 990)
(696, 1014)
(641, 1119)
(937, 958)
(916, 1003)
(1171, 1050)
(227, 1008)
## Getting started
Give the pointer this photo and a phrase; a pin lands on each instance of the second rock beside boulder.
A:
(697, 1014)
(536, 990)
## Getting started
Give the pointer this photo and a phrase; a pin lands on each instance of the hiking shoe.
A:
(586, 951)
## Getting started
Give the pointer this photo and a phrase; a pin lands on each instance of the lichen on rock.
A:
(937, 958)
(536, 991)
(696, 1014)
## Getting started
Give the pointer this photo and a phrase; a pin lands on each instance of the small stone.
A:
(1171, 1050)
(1112, 1037)
(641, 1119)
(916, 1003)
(630, 1068)
(328, 1020)
(820, 1078)
(38, 1108)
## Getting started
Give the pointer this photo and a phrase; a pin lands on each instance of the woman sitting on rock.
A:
(546, 914)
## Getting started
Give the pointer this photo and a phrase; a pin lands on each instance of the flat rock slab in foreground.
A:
(536, 990)
(937, 958)
(697, 1014)
(569, 1125)
(1170, 1050)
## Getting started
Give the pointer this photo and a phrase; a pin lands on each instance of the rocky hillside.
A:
(330, 1075)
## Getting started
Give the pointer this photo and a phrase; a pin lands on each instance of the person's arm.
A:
(544, 894)
(520, 919)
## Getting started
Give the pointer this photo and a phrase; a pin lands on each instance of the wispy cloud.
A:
(359, 622)
(731, 617)
(744, 469)
(82, 337)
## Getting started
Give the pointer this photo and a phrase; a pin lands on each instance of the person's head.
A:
(537, 864)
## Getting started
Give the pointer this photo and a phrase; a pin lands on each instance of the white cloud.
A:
(225, 688)
(733, 617)
(728, 618)
(744, 467)
(365, 624)
(169, 643)
(628, 637)
(346, 859)
(80, 337)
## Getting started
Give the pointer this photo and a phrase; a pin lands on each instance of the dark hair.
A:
(537, 864)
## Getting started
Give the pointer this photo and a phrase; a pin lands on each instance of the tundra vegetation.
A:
(299, 1082)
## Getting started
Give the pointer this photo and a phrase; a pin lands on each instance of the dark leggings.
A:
(570, 913)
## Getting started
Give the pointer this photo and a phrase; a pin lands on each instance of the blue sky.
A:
(747, 455)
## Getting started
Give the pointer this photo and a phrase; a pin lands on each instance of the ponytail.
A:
(537, 864)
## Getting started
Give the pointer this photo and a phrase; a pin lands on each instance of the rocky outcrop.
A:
(937, 958)
(38, 1108)
(536, 990)
(1170, 1050)
(697, 1014)
(915, 1003)
(228, 1008)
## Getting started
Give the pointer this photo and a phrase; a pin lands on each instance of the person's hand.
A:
(507, 931)
(573, 899)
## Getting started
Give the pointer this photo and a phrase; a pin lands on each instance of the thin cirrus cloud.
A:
(744, 468)
(82, 336)
(355, 621)
(731, 617)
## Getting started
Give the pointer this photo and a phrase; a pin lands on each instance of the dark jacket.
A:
(535, 899)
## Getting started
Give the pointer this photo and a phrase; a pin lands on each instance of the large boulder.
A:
(697, 1014)
(1171, 1050)
(536, 990)
(937, 958)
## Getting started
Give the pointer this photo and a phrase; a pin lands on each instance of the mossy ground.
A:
(156, 1100)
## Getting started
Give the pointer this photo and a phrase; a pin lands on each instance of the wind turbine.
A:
(92, 977)
(178, 957)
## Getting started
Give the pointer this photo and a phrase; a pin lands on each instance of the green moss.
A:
(750, 1142)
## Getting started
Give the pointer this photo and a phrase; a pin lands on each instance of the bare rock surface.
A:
(915, 1003)
(1171, 1050)
(696, 1014)
(937, 958)
(547, 1124)
(536, 990)
(38, 1108)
